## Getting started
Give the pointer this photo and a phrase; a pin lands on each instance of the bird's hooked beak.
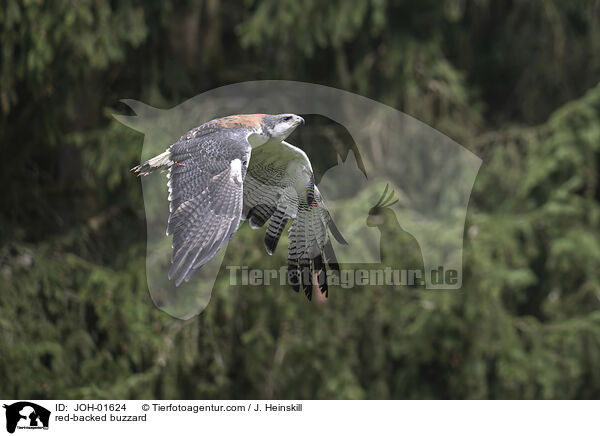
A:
(297, 121)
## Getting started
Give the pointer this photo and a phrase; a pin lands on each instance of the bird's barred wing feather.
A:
(206, 176)
(280, 187)
(310, 249)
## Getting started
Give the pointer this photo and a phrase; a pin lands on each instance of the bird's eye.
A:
(288, 118)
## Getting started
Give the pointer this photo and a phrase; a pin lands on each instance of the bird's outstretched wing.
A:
(279, 187)
(206, 174)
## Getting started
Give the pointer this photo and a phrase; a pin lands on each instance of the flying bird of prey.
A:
(240, 168)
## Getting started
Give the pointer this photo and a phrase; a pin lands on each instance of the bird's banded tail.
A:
(162, 160)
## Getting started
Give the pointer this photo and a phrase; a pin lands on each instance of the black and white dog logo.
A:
(26, 415)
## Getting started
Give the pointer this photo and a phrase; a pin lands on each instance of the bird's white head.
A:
(281, 126)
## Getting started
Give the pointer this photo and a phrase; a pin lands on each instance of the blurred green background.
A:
(516, 82)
